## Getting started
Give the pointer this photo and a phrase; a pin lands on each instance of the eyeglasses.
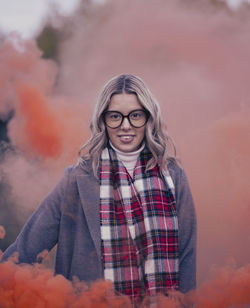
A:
(137, 118)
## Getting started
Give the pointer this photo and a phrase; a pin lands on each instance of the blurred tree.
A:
(3, 127)
(51, 37)
(8, 207)
(47, 41)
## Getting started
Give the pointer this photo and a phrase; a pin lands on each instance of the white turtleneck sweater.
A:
(128, 159)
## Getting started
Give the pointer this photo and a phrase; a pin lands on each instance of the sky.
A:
(26, 16)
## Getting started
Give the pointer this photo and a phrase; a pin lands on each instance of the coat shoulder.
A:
(79, 169)
(175, 169)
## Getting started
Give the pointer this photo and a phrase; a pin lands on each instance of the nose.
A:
(125, 124)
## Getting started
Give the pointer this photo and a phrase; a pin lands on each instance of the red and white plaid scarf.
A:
(139, 228)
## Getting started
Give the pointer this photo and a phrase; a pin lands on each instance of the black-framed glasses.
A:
(137, 118)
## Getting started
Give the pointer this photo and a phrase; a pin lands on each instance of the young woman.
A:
(125, 211)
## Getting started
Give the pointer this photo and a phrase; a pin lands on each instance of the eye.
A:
(114, 116)
(137, 115)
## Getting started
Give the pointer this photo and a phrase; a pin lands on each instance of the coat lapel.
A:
(89, 190)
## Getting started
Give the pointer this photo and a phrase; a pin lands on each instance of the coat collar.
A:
(89, 191)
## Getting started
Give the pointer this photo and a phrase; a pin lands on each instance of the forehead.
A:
(124, 103)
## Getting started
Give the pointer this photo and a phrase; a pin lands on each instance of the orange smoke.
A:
(42, 128)
(27, 286)
(2, 232)
(47, 128)
(229, 288)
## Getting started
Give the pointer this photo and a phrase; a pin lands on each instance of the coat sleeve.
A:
(41, 230)
(187, 229)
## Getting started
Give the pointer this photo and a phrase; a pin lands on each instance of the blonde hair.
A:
(156, 137)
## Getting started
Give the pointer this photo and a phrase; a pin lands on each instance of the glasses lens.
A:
(138, 118)
(113, 119)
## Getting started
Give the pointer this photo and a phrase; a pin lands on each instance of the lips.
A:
(126, 138)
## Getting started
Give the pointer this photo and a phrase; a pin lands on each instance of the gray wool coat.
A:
(69, 217)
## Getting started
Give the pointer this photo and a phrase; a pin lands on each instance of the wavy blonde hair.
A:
(156, 136)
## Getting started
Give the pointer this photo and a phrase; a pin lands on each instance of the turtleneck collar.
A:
(128, 159)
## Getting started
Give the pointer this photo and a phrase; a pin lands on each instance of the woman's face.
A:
(125, 138)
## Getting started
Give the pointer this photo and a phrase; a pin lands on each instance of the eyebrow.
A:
(128, 112)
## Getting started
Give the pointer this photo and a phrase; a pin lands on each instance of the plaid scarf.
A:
(139, 228)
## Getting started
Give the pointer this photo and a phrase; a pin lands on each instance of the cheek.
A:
(110, 132)
(142, 133)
